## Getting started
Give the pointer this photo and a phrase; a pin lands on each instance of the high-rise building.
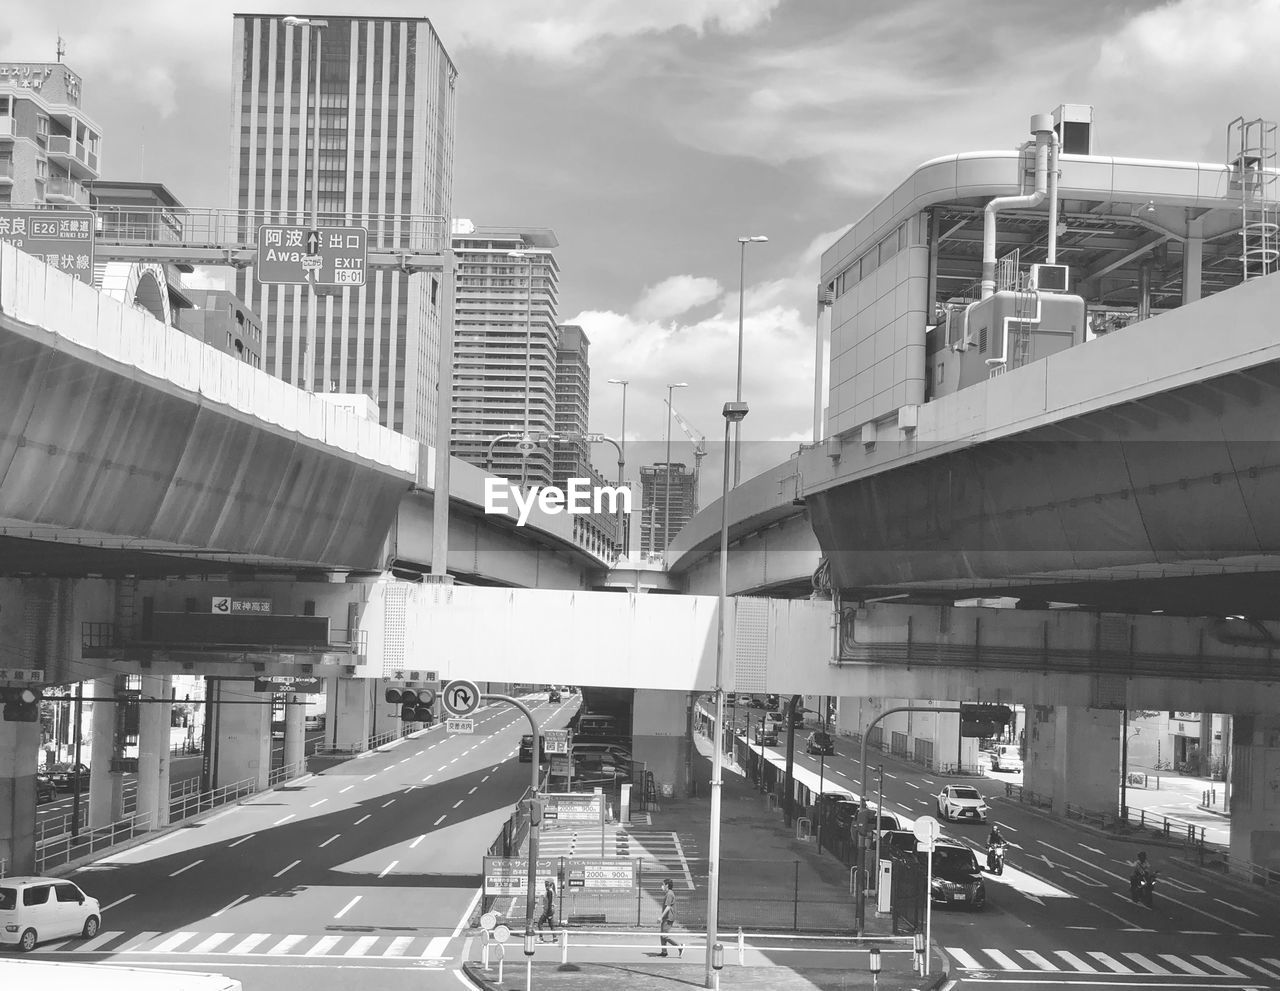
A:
(659, 518)
(384, 161)
(49, 147)
(221, 320)
(572, 457)
(505, 350)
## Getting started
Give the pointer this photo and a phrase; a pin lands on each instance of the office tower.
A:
(384, 162)
(656, 522)
(504, 351)
(572, 457)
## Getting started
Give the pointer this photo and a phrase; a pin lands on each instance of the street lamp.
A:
(525, 444)
(733, 414)
(666, 511)
(313, 300)
(742, 289)
(622, 464)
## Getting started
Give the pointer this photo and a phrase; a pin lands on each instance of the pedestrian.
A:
(548, 916)
(668, 918)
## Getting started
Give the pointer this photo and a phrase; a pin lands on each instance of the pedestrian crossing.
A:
(1115, 963)
(196, 943)
(661, 852)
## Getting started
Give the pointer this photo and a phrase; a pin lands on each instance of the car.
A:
(313, 723)
(581, 749)
(39, 909)
(46, 790)
(957, 878)
(1006, 758)
(771, 702)
(961, 803)
(838, 806)
(820, 742)
(887, 821)
(743, 701)
(553, 695)
(766, 735)
(64, 776)
(526, 749)
(596, 725)
(599, 767)
(775, 717)
(757, 702)
(901, 841)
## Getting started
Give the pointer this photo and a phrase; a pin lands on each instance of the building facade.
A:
(660, 521)
(572, 457)
(506, 343)
(221, 320)
(384, 161)
(49, 147)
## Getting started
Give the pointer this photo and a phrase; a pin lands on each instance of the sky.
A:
(650, 136)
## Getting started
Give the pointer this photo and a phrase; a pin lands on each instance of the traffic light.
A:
(415, 703)
(21, 705)
(983, 719)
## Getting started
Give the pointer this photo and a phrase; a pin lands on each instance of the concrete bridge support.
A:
(19, 754)
(350, 708)
(662, 739)
(1255, 794)
(295, 712)
(106, 788)
(1073, 756)
(153, 749)
(241, 735)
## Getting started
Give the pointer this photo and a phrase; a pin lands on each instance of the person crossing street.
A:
(668, 918)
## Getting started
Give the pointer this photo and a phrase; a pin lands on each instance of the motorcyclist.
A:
(1143, 874)
(996, 844)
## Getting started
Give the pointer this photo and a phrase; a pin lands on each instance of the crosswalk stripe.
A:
(398, 946)
(1113, 965)
(1008, 963)
(1257, 967)
(1148, 965)
(1219, 967)
(323, 945)
(247, 944)
(1272, 961)
(142, 940)
(360, 946)
(964, 959)
(1037, 960)
(208, 944)
(1075, 963)
(285, 945)
(1182, 965)
(99, 940)
(436, 947)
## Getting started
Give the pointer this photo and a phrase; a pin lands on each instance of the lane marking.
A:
(362, 819)
(289, 868)
(458, 802)
(280, 822)
(118, 901)
(346, 789)
(417, 841)
(228, 907)
(484, 779)
(389, 868)
(242, 839)
(441, 819)
(182, 870)
(321, 802)
(473, 790)
(329, 840)
(385, 804)
(370, 777)
(1236, 907)
(466, 915)
(348, 906)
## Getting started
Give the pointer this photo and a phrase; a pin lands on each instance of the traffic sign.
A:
(489, 921)
(63, 239)
(295, 255)
(556, 741)
(501, 934)
(927, 832)
(460, 725)
(460, 698)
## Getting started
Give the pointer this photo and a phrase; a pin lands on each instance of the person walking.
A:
(668, 918)
(548, 916)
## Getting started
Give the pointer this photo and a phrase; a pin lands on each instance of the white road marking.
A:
(1236, 907)
(329, 840)
(484, 779)
(398, 946)
(441, 819)
(362, 819)
(427, 778)
(118, 901)
(1037, 960)
(1008, 963)
(1260, 969)
(323, 945)
(473, 790)
(1147, 964)
(248, 943)
(912, 784)
(172, 942)
(287, 869)
(389, 868)
(385, 804)
(280, 822)
(436, 947)
(242, 840)
(1074, 962)
(370, 777)
(346, 789)
(181, 870)
(965, 960)
(208, 944)
(348, 906)
(1219, 967)
(285, 945)
(321, 802)
(1113, 965)
(229, 906)
(361, 946)
(458, 802)
(417, 841)
(1182, 965)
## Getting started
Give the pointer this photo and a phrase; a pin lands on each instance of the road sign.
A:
(225, 605)
(295, 255)
(556, 740)
(460, 698)
(561, 766)
(460, 725)
(927, 831)
(489, 921)
(63, 239)
(501, 934)
(591, 872)
(575, 807)
(286, 683)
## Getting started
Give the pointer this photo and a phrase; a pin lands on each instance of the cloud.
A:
(674, 296)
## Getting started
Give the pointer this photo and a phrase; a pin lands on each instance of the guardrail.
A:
(1244, 870)
(372, 743)
(287, 773)
(194, 803)
(66, 848)
(1170, 828)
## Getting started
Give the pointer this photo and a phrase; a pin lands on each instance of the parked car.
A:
(580, 748)
(46, 790)
(313, 723)
(1006, 758)
(526, 749)
(38, 909)
(887, 821)
(64, 776)
(599, 767)
(957, 803)
(957, 878)
(766, 735)
(900, 841)
(596, 725)
(819, 743)
(744, 701)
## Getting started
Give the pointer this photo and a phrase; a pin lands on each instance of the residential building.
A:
(221, 320)
(49, 146)
(572, 456)
(506, 341)
(661, 520)
(383, 161)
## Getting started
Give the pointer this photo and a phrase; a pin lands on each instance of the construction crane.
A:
(699, 447)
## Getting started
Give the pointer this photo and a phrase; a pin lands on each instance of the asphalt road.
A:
(371, 865)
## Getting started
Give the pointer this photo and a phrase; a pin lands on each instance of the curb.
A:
(475, 974)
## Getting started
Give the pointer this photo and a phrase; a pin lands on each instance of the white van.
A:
(38, 909)
(1006, 758)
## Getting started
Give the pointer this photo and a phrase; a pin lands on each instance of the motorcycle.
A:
(1140, 886)
(995, 857)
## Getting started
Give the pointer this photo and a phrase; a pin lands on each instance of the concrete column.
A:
(153, 749)
(243, 747)
(106, 789)
(294, 736)
(1192, 258)
(660, 737)
(19, 756)
(1073, 756)
(350, 721)
(1255, 791)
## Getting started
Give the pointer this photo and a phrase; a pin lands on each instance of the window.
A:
(68, 892)
(42, 126)
(36, 895)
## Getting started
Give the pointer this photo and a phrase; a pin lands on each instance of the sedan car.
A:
(819, 743)
(64, 776)
(961, 803)
(957, 878)
(526, 749)
(46, 790)
(553, 695)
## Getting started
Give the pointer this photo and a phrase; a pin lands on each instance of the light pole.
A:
(742, 291)
(313, 300)
(666, 511)
(733, 414)
(622, 465)
(525, 443)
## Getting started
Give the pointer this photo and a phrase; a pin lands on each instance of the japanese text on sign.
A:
(297, 254)
(63, 240)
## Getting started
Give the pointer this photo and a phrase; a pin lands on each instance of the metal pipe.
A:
(444, 424)
(1041, 126)
(817, 365)
(742, 292)
(1055, 146)
(531, 900)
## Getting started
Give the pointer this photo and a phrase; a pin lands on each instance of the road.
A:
(370, 865)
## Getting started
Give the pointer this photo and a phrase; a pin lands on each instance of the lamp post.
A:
(742, 291)
(666, 495)
(733, 414)
(625, 522)
(525, 443)
(313, 300)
